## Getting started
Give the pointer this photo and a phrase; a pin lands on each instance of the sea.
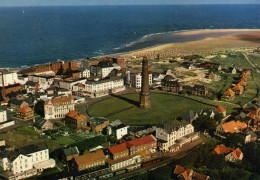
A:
(36, 35)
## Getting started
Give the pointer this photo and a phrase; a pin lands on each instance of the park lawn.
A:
(20, 137)
(164, 108)
(63, 140)
(233, 59)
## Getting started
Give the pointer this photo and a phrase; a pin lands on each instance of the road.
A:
(170, 157)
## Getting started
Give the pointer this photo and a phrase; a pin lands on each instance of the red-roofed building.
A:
(76, 119)
(89, 160)
(229, 95)
(118, 151)
(231, 127)
(25, 113)
(189, 174)
(238, 89)
(234, 156)
(221, 110)
(221, 149)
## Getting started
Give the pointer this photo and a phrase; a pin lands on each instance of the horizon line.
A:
(128, 5)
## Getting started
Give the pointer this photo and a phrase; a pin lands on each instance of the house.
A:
(229, 95)
(89, 160)
(76, 120)
(243, 84)
(172, 86)
(4, 122)
(25, 113)
(8, 78)
(174, 135)
(230, 154)
(234, 156)
(188, 174)
(250, 137)
(233, 70)
(136, 80)
(85, 72)
(42, 125)
(58, 107)
(104, 70)
(26, 161)
(31, 87)
(221, 110)
(212, 75)
(231, 127)
(208, 113)
(70, 153)
(218, 67)
(199, 90)
(117, 129)
(17, 104)
(191, 116)
(238, 89)
(98, 124)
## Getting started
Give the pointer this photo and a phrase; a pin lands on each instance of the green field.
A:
(165, 108)
(235, 59)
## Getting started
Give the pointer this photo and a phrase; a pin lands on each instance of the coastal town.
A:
(117, 117)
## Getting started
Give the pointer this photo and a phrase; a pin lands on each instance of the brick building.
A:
(76, 119)
(25, 113)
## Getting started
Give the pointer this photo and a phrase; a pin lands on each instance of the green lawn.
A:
(233, 59)
(63, 140)
(164, 108)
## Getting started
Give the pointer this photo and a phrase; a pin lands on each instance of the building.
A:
(25, 113)
(188, 174)
(98, 124)
(127, 162)
(229, 95)
(85, 73)
(136, 80)
(89, 160)
(103, 71)
(199, 90)
(231, 127)
(99, 88)
(26, 161)
(69, 83)
(42, 125)
(174, 135)
(221, 110)
(31, 87)
(8, 78)
(172, 86)
(230, 154)
(11, 88)
(70, 153)
(250, 137)
(238, 89)
(4, 122)
(134, 147)
(76, 120)
(44, 79)
(117, 129)
(58, 107)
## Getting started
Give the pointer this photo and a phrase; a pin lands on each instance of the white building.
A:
(69, 84)
(130, 162)
(58, 107)
(173, 131)
(136, 80)
(26, 161)
(85, 73)
(10, 78)
(44, 79)
(104, 71)
(99, 88)
(117, 129)
(4, 122)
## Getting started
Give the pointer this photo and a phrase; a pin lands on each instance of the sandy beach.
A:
(240, 38)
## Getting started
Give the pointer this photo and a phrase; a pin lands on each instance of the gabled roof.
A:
(179, 169)
(118, 148)
(141, 141)
(39, 123)
(233, 126)
(90, 157)
(25, 109)
(229, 92)
(75, 115)
(236, 153)
(221, 149)
(221, 109)
(62, 99)
(242, 83)
(238, 87)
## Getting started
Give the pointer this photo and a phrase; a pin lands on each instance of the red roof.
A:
(90, 157)
(233, 126)
(141, 141)
(229, 92)
(25, 109)
(221, 149)
(118, 148)
(221, 109)
(236, 153)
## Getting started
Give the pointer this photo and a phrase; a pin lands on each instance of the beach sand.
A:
(242, 38)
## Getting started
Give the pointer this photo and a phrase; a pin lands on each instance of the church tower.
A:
(145, 98)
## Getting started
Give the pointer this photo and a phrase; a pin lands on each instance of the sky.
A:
(118, 2)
